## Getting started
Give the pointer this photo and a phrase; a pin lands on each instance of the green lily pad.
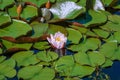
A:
(0, 51)
(82, 58)
(107, 2)
(16, 29)
(95, 18)
(41, 45)
(36, 73)
(5, 3)
(116, 55)
(101, 33)
(64, 63)
(47, 56)
(74, 36)
(116, 36)
(108, 49)
(108, 63)
(82, 71)
(96, 58)
(10, 45)
(88, 44)
(25, 58)
(7, 68)
(66, 10)
(55, 28)
(2, 58)
(27, 13)
(4, 18)
(39, 29)
(92, 58)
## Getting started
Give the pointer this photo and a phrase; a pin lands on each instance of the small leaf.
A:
(108, 63)
(7, 68)
(74, 35)
(16, 29)
(96, 58)
(39, 29)
(47, 56)
(41, 45)
(10, 45)
(108, 49)
(4, 18)
(2, 58)
(82, 71)
(64, 63)
(116, 36)
(5, 3)
(25, 58)
(101, 33)
(36, 73)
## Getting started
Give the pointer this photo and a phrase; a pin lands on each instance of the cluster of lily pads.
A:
(92, 28)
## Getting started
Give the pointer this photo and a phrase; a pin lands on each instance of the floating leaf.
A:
(66, 10)
(82, 71)
(7, 68)
(107, 2)
(5, 3)
(96, 58)
(116, 36)
(101, 33)
(74, 36)
(108, 63)
(55, 28)
(25, 58)
(0, 51)
(27, 12)
(4, 18)
(47, 56)
(10, 45)
(2, 58)
(39, 29)
(64, 63)
(36, 73)
(95, 18)
(88, 44)
(41, 45)
(108, 49)
(16, 29)
(82, 58)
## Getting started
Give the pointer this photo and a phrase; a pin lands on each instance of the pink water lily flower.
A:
(58, 40)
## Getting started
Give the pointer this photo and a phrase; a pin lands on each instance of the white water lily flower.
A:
(98, 5)
(58, 40)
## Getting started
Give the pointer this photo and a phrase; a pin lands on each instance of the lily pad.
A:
(47, 56)
(116, 36)
(10, 45)
(41, 45)
(5, 3)
(88, 44)
(74, 36)
(25, 58)
(7, 68)
(36, 73)
(4, 18)
(82, 71)
(95, 18)
(27, 13)
(108, 49)
(55, 28)
(16, 29)
(65, 63)
(66, 10)
(39, 29)
(2, 58)
(101, 33)
(108, 63)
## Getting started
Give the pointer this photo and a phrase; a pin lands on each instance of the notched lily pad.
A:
(25, 58)
(36, 73)
(4, 18)
(15, 29)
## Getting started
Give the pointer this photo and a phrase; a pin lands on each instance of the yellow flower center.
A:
(57, 39)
